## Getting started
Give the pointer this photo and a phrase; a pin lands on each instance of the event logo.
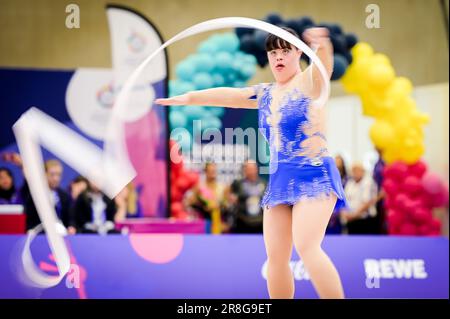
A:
(395, 268)
(105, 96)
(136, 42)
(297, 268)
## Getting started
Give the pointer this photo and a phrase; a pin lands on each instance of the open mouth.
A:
(279, 66)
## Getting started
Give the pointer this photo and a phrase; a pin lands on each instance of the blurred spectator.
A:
(335, 225)
(244, 196)
(127, 202)
(8, 193)
(77, 186)
(94, 212)
(378, 178)
(361, 193)
(340, 164)
(207, 199)
(60, 199)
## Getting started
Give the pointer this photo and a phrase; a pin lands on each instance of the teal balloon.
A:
(177, 118)
(216, 111)
(202, 81)
(224, 61)
(205, 62)
(174, 87)
(208, 47)
(231, 77)
(218, 79)
(192, 112)
(249, 58)
(178, 87)
(185, 70)
(212, 122)
(239, 84)
(248, 71)
(238, 64)
(228, 42)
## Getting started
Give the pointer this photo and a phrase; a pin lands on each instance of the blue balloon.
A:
(339, 43)
(335, 29)
(352, 39)
(241, 31)
(260, 39)
(274, 18)
(340, 65)
(248, 44)
(177, 118)
(202, 81)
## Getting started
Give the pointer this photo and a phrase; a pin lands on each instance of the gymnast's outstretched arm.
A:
(319, 38)
(221, 96)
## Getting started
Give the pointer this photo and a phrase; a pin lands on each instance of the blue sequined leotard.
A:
(299, 163)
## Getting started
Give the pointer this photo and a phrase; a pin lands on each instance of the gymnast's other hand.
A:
(175, 100)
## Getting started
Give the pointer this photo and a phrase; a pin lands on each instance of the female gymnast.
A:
(304, 184)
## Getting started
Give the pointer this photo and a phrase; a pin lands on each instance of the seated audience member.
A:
(77, 186)
(60, 198)
(8, 193)
(93, 212)
(244, 196)
(207, 197)
(128, 205)
(361, 193)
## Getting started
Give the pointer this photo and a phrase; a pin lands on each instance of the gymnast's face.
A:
(284, 62)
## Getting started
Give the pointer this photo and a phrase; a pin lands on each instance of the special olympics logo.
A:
(136, 42)
(105, 96)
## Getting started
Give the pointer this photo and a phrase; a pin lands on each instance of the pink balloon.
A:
(395, 218)
(432, 183)
(390, 187)
(399, 170)
(424, 229)
(182, 183)
(418, 169)
(435, 225)
(422, 216)
(389, 202)
(412, 185)
(410, 205)
(400, 201)
(439, 200)
(408, 229)
(193, 178)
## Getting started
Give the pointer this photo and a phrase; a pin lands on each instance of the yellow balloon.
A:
(380, 75)
(381, 133)
(362, 49)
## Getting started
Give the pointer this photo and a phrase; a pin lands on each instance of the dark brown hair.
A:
(273, 42)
